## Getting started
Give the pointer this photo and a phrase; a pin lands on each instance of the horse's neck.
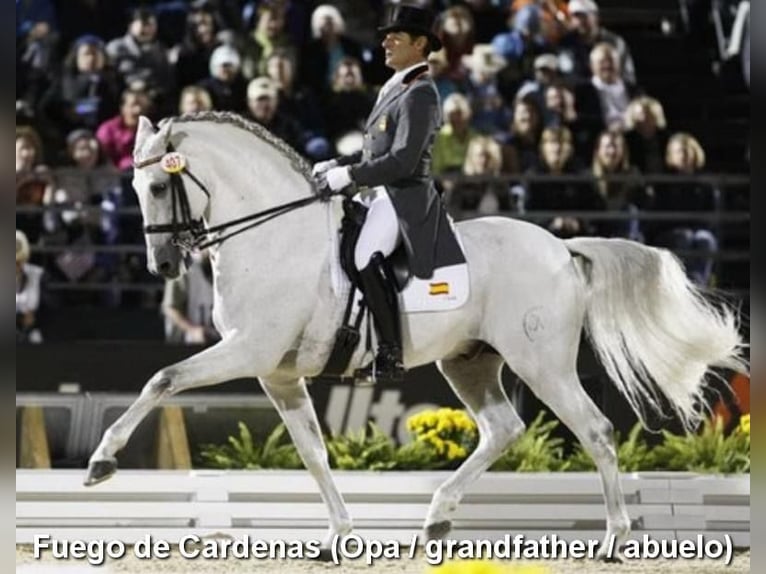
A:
(248, 176)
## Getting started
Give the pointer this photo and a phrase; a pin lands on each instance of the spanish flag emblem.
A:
(439, 289)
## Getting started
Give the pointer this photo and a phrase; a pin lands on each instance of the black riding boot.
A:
(383, 302)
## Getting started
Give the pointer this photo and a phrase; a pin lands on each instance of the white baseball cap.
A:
(583, 6)
(547, 62)
(262, 87)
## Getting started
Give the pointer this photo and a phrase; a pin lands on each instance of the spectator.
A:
(456, 30)
(521, 146)
(576, 46)
(300, 104)
(117, 136)
(519, 46)
(613, 93)
(646, 134)
(92, 181)
(451, 144)
(625, 196)
(141, 61)
(546, 73)
(75, 227)
(36, 41)
(602, 102)
(187, 305)
(296, 16)
(34, 182)
(554, 18)
(328, 47)
(557, 158)
(686, 158)
(197, 46)
(226, 85)
(194, 99)
(559, 107)
(87, 177)
(28, 291)
(350, 102)
(262, 103)
(484, 158)
(439, 70)
(269, 36)
(490, 115)
(87, 93)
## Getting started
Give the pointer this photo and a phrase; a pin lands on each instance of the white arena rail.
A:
(285, 505)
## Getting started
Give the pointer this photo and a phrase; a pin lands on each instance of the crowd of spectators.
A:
(529, 87)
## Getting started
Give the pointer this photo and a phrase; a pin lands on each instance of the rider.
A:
(393, 173)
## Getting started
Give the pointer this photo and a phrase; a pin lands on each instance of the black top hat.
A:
(414, 20)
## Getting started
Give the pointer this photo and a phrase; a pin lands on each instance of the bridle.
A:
(191, 234)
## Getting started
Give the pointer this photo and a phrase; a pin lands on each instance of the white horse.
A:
(531, 296)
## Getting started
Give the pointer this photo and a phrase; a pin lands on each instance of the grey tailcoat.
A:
(396, 154)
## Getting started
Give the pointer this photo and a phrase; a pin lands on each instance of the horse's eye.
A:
(158, 188)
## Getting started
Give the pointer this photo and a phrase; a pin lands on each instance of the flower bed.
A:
(444, 438)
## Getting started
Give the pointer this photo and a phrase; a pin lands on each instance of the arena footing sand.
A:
(26, 564)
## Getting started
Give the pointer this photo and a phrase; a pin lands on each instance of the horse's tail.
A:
(652, 328)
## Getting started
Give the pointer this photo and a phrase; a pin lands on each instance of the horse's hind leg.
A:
(478, 385)
(564, 394)
(297, 411)
(223, 362)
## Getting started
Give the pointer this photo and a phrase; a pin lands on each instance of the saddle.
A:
(396, 270)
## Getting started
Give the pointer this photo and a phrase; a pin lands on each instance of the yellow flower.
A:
(455, 451)
(744, 424)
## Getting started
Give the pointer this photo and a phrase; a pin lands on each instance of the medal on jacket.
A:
(383, 124)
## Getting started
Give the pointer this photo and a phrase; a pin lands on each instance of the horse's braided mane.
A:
(229, 118)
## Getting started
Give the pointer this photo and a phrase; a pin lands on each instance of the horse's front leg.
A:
(227, 360)
(297, 411)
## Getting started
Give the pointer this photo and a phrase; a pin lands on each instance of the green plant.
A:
(420, 455)
(710, 450)
(633, 454)
(243, 452)
(535, 451)
(368, 449)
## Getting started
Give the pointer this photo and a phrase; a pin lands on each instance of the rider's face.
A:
(403, 50)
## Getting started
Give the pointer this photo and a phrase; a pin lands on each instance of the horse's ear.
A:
(145, 131)
(163, 135)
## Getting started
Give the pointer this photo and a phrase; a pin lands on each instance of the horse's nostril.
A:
(164, 267)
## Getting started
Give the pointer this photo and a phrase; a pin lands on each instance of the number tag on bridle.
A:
(173, 163)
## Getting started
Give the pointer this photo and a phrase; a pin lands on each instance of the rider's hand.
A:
(323, 167)
(338, 178)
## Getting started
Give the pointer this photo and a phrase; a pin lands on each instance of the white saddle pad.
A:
(447, 290)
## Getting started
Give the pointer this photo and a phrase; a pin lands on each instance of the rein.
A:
(200, 234)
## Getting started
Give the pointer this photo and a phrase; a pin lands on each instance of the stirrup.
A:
(371, 374)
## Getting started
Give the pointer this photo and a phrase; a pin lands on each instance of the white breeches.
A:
(380, 231)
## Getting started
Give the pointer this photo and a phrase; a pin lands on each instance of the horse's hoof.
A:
(100, 470)
(609, 559)
(438, 530)
(325, 555)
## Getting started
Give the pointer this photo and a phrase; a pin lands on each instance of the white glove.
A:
(323, 166)
(338, 178)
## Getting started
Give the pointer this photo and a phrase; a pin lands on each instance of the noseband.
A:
(191, 234)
